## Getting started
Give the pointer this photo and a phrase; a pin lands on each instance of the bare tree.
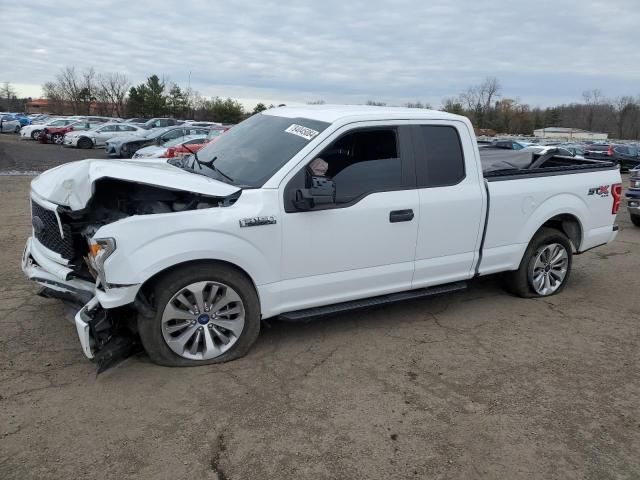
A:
(8, 95)
(70, 86)
(112, 91)
(417, 104)
(593, 99)
(624, 109)
(56, 97)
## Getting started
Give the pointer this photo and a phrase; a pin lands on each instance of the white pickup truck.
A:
(298, 213)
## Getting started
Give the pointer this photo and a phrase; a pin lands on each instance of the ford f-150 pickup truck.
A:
(303, 212)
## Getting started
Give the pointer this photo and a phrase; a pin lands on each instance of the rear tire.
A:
(540, 274)
(35, 135)
(635, 219)
(57, 138)
(17, 129)
(154, 329)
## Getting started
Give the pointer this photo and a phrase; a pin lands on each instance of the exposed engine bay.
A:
(115, 200)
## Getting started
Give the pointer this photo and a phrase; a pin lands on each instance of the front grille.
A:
(47, 231)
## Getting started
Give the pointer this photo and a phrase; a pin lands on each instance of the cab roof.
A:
(334, 113)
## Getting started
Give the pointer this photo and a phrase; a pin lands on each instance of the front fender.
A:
(143, 262)
(148, 244)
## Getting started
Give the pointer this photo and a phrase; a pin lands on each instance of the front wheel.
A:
(124, 151)
(635, 219)
(57, 138)
(203, 314)
(84, 142)
(35, 135)
(17, 129)
(545, 267)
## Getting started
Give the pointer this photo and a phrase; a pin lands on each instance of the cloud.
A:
(395, 51)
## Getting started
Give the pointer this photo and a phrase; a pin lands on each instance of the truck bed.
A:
(500, 164)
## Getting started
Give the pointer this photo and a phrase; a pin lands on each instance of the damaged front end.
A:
(67, 256)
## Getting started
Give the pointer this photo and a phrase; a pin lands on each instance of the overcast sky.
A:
(341, 51)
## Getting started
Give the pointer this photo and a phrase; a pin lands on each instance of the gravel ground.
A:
(475, 385)
(18, 155)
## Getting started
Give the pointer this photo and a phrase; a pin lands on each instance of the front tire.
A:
(635, 219)
(85, 143)
(202, 314)
(545, 266)
(124, 151)
(57, 138)
(35, 135)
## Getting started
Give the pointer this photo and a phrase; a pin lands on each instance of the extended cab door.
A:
(363, 244)
(451, 195)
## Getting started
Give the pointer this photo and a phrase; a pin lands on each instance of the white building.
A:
(569, 134)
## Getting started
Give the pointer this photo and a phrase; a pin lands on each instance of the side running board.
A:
(311, 313)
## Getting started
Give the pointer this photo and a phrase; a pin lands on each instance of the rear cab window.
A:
(439, 156)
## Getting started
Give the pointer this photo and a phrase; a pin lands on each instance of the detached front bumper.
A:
(90, 302)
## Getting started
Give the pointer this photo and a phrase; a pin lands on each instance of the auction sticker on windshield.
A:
(301, 131)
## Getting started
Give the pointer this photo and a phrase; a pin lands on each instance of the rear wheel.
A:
(545, 267)
(57, 138)
(84, 142)
(35, 135)
(203, 314)
(17, 129)
(635, 219)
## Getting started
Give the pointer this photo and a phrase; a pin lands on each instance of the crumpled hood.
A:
(71, 184)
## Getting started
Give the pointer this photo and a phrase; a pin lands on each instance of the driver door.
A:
(362, 244)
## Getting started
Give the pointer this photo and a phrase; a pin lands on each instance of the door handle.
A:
(401, 216)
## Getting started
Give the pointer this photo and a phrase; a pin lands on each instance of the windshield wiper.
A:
(208, 164)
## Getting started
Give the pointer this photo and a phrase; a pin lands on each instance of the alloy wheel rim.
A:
(549, 269)
(203, 320)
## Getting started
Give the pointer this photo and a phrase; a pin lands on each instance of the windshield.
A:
(252, 151)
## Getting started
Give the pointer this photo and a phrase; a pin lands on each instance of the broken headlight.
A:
(99, 250)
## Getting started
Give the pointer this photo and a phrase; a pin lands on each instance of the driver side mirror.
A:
(321, 192)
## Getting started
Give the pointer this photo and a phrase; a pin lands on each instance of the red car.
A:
(56, 134)
(182, 150)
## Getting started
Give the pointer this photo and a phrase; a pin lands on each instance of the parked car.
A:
(301, 212)
(125, 147)
(34, 130)
(627, 156)
(98, 136)
(9, 124)
(161, 122)
(161, 151)
(136, 121)
(56, 134)
(510, 144)
(633, 196)
(193, 123)
(22, 118)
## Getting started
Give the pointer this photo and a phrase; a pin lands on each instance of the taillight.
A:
(170, 153)
(610, 151)
(616, 193)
